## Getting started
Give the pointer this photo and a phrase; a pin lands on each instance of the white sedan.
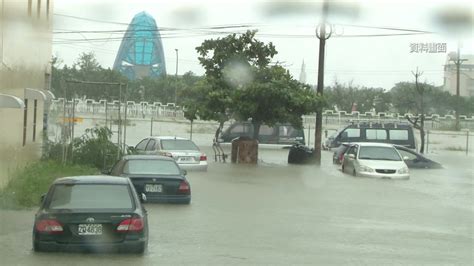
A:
(184, 151)
(375, 160)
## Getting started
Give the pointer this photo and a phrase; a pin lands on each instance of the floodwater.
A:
(279, 214)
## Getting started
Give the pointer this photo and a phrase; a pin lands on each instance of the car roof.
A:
(377, 125)
(147, 157)
(373, 144)
(92, 179)
(168, 137)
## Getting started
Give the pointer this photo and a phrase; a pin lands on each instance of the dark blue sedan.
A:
(158, 177)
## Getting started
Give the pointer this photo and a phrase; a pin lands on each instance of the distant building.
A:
(141, 51)
(25, 72)
(303, 73)
(466, 76)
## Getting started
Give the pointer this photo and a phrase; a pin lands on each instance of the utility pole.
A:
(322, 36)
(458, 61)
(176, 83)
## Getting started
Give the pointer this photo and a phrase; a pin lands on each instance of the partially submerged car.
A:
(397, 133)
(91, 213)
(375, 160)
(159, 178)
(281, 134)
(412, 158)
(415, 159)
(182, 150)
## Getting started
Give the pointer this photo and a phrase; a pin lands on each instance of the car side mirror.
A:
(42, 198)
(106, 172)
(406, 158)
(142, 198)
(351, 156)
(131, 150)
(184, 172)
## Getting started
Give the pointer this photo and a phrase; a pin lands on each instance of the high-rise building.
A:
(25, 73)
(302, 78)
(141, 51)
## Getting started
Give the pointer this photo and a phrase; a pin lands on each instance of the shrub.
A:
(27, 185)
(94, 148)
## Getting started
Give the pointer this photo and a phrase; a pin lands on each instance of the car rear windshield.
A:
(91, 196)
(157, 167)
(379, 153)
(178, 144)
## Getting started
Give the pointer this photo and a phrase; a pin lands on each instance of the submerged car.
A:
(396, 133)
(375, 160)
(182, 150)
(158, 177)
(415, 159)
(412, 158)
(280, 134)
(91, 213)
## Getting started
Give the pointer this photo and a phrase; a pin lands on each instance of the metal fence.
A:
(433, 121)
(132, 109)
(448, 141)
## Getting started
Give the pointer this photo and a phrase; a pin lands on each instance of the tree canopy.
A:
(241, 82)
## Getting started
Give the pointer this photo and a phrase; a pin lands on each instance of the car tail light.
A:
(184, 188)
(203, 158)
(131, 225)
(50, 226)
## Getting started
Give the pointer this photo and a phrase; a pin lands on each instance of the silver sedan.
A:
(184, 151)
(375, 160)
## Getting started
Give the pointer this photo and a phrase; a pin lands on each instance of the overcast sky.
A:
(366, 61)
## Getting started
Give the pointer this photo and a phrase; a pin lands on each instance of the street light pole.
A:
(176, 82)
(458, 63)
(322, 36)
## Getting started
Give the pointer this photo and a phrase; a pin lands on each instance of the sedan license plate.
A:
(186, 159)
(89, 229)
(153, 188)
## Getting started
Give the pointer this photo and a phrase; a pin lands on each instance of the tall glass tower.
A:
(141, 51)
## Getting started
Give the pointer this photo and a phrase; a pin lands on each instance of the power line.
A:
(384, 28)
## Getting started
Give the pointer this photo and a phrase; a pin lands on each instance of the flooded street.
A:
(280, 215)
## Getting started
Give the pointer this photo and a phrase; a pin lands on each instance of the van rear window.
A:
(398, 134)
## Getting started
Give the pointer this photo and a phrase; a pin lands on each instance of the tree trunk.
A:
(256, 130)
(422, 133)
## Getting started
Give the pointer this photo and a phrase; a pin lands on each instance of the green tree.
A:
(239, 81)
(345, 96)
(274, 97)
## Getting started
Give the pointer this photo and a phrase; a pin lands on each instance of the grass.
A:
(28, 184)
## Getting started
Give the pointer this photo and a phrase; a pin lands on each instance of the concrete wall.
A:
(25, 55)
